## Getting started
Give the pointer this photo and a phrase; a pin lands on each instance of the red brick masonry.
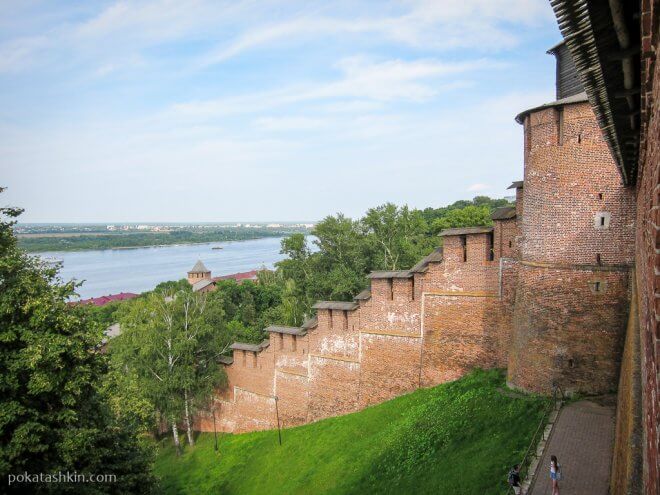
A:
(550, 302)
(648, 242)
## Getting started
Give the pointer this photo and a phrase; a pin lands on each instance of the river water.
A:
(111, 271)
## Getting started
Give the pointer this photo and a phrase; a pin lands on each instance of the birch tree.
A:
(397, 236)
(172, 349)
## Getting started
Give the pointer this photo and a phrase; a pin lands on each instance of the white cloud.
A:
(127, 28)
(149, 167)
(291, 31)
(366, 90)
(19, 54)
(288, 123)
(351, 106)
(444, 25)
(121, 31)
(153, 21)
(391, 79)
(362, 80)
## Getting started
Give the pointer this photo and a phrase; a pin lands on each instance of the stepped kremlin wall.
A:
(563, 290)
(544, 293)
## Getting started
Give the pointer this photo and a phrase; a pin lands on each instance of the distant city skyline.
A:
(193, 222)
(188, 111)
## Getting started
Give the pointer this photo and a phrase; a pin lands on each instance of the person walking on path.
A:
(514, 479)
(555, 474)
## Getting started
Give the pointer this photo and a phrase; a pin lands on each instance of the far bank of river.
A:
(110, 271)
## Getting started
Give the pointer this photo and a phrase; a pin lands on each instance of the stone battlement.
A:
(543, 293)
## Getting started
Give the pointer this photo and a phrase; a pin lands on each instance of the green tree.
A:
(340, 240)
(296, 267)
(398, 236)
(386, 238)
(127, 400)
(54, 413)
(470, 216)
(338, 267)
(174, 286)
(292, 307)
(431, 214)
(490, 202)
(104, 315)
(237, 332)
(253, 304)
(173, 351)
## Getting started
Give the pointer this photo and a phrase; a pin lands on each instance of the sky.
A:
(211, 111)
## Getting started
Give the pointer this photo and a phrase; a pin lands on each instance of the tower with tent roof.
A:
(198, 272)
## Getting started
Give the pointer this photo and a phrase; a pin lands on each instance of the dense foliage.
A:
(170, 346)
(386, 238)
(163, 362)
(172, 338)
(457, 438)
(55, 408)
(463, 213)
(332, 266)
(135, 239)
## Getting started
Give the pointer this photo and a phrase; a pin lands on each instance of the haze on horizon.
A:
(165, 222)
(167, 111)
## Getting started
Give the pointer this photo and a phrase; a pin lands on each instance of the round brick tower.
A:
(577, 245)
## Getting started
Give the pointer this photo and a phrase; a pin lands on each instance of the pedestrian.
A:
(514, 479)
(555, 474)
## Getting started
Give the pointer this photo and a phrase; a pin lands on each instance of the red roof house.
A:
(239, 277)
(103, 300)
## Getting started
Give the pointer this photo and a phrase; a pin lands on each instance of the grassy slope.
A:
(457, 438)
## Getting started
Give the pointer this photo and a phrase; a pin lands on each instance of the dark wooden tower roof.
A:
(603, 39)
(567, 81)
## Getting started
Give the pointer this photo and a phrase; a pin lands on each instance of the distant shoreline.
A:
(177, 244)
(139, 270)
(127, 248)
(55, 235)
(113, 242)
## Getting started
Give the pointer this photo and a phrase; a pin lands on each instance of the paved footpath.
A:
(582, 440)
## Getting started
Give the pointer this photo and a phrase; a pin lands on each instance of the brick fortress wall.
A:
(648, 259)
(410, 329)
(577, 250)
(529, 294)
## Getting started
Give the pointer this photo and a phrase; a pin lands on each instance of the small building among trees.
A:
(201, 280)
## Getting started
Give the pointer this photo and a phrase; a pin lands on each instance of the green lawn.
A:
(456, 438)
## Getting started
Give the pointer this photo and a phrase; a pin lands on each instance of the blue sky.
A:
(195, 110)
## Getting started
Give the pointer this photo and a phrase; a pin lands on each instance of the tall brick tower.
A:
(577, 248)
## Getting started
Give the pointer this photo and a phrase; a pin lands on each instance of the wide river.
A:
(111, 271)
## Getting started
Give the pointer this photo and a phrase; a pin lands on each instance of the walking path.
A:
(582, 440)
